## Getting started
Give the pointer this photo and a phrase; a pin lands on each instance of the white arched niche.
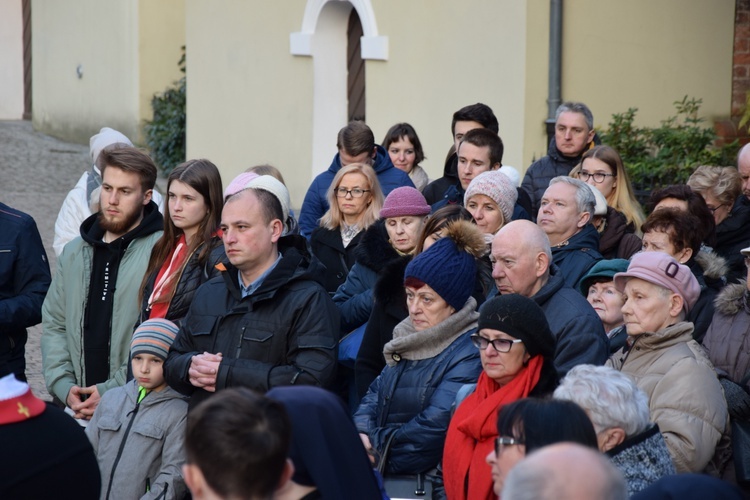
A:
(323, 37)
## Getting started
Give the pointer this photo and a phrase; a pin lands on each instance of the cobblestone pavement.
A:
(36, 172)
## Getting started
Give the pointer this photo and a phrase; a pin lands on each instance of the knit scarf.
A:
(473, 429)
(408, 343)
(166, 280)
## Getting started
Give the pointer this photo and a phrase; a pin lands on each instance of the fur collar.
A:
(374, 250)
(714, 266)
(733, 299)
(390, 284)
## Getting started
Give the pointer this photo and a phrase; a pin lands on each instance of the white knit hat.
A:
(276, 188)
(106, 137)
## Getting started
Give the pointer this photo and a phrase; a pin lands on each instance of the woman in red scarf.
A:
(516, 349)
(185, 255)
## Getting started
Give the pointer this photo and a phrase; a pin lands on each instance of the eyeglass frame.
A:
(476, 339)
(346, 192)
(588, 176)
(503, 441)
(714, 209)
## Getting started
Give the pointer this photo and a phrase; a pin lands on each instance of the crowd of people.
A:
(476, 336)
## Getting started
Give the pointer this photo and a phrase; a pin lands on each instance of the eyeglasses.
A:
(714, 209)
(356, 192)
(598, 176)
(500, 345)
(504, 441)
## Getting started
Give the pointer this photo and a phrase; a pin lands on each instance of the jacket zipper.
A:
(122, 444)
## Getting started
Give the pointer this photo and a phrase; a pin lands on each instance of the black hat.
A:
(522, 318)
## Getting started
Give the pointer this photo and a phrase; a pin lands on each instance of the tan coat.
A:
(685, 397)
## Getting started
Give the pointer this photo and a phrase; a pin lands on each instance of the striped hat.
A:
(153, 336)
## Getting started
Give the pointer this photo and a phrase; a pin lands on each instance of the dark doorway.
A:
(26, 9)
(355, 66)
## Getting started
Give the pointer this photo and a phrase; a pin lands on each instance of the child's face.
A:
(148, 370)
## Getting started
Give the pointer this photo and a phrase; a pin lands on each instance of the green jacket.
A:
(64, 309)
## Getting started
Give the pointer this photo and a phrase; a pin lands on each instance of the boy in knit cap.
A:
(137, 430)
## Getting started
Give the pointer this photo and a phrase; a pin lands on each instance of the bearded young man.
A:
(92, 304)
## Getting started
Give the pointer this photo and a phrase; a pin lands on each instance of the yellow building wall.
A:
(249, 100)
(122, 62)
(161, 34)
(648, 54)
(441, 59)
(11, 60)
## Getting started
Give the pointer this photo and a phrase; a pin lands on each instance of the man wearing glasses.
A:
(574, 134)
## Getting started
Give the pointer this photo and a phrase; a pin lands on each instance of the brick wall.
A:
(741, 62)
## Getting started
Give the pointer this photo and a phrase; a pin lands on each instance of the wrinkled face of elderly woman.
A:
(649, 308)
(426, 307)
(404, 231)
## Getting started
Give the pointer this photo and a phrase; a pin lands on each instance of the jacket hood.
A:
(733, 299)
(554, 283)
(92, 233)
(297, 263)
(381, 163)
(374, 250)
(714, 266)
(586, 238)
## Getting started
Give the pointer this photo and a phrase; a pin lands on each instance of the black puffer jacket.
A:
(435, 190)
(284, 333)
(537, 177)
(732, 236)
(329, 249)
(193, 275)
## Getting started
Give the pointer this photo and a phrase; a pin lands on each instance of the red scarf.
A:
(473, 429)
(166, 280)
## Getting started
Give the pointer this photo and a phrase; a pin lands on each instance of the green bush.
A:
(165, 134)
(668, 154)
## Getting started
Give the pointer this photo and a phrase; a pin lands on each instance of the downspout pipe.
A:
(555, 65)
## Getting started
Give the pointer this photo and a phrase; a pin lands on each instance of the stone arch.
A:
(323, 37)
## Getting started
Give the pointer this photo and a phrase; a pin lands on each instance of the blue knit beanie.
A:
(445, 268)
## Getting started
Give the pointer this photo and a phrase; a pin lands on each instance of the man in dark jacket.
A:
(24, 280)
(522, 263)
(356, 144)
(574, 133)
(266, 321)
(465, 119)
(565, 215)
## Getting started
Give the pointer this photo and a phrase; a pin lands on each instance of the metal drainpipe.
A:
(555, 64)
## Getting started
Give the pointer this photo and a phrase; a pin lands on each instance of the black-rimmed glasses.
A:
(356, 192)
(500, 345)
(598, 176)
(503, 441)
(714, 209)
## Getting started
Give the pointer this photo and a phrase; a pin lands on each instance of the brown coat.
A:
(685, 397)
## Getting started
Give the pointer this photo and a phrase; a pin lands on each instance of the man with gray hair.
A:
(522, 263)
(564, 471)
(619, 411)
(574, 133)
(565, 213)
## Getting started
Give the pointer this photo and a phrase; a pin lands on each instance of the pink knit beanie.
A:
(404, 201)
(497, 186)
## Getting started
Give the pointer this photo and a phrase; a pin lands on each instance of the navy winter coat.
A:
(574, 323)
(316, 204)
(413, 400)
(576, 257)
